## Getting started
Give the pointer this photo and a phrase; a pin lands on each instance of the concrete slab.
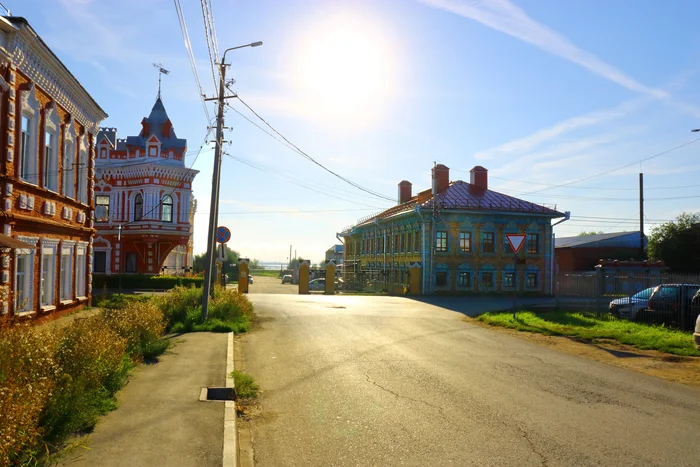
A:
(160, 421)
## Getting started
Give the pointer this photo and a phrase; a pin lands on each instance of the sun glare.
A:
(346, 69)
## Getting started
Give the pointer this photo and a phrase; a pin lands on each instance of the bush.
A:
(28, 373)
(143, 281)
(142, 324)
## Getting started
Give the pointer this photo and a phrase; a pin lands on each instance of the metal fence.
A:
(374, 280)
(626, 294)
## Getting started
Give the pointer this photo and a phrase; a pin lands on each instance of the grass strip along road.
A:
(560, 323)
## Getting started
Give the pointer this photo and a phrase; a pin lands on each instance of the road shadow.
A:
(474, 306)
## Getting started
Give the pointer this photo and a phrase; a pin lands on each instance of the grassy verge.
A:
(560, 323)
(246, 388)
(265, 273)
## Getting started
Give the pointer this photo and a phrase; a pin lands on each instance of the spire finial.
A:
(161, 71)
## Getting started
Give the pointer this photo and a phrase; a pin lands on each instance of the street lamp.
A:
(216, 178)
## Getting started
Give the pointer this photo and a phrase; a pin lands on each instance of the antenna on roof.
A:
(161, 71)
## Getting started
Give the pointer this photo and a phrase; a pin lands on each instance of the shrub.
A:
(228, 311)
(94, 365)
(143, 281)
(28, 370)
(176, 305)
(246, 388)
(142, 324)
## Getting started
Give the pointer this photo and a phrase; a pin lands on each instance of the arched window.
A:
(167, 209)
(138, 207)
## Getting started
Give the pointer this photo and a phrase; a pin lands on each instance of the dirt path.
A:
(685, 370)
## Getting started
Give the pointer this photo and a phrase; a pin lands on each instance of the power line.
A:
(618, 168)
(208, 34)
(305, 155)
(190, 55)
(593, 187)
(298, 211)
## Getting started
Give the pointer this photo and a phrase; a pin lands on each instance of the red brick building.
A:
(144, 191)
(46, 152)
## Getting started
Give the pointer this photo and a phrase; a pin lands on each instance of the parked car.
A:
(628, 307)
(696, 334)
(287, 278)
(317, 284)
(671, 304)
(250, 279)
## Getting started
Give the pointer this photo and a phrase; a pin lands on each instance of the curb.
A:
(230, 454)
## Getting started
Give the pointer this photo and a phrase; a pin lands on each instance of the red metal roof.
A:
(461, 195)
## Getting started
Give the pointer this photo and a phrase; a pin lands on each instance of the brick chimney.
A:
(145, 128)
(405, 191)
(479, 177)
(441, 178)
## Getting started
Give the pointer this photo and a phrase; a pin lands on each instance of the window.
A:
(80, 262)
(509, 279)
(50, 162)
(441, 279)
(441, 241)
(409, 242)
(24, 274)
(153, 151)
(103, 153)
(397, 244)
(138, 207)
(68, 174)
(27, 163)
(533, 244)
(465, 241)
(488, 244)
(417, 243)
(487, 278)
(82, 170)
(131, 262)
(66, 273)
(531, 280)
(464, 279)
(48, 274)
(167, 209)
(101, 208)
(100, 262)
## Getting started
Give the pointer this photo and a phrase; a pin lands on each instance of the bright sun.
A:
(346, 69)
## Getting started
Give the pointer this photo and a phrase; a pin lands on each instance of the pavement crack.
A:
(401, 396)
(533, 448)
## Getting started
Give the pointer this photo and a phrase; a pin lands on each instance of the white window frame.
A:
(98, 206)
(69, 152)
(47, 277)
(28, 154)
(163, 211)
(83, 169)
(52, 124)
(24, 280)
(66, 273)
(81, 271)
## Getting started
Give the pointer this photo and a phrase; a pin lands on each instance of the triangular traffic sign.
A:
(516, 241)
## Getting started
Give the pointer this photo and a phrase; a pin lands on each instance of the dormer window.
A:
(153, 151)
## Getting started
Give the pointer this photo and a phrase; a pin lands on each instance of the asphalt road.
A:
(362, 380)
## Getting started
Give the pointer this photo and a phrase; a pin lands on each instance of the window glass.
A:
(465, 241)
(509, 279)
(100, 263)
(465, 279)
(533, 244)
(48, 261)
(102, 208)
(138, 207)
(531, 279)
(487, 278)
(441, 241)
(487, 242)
(441, 279)
(167, 209)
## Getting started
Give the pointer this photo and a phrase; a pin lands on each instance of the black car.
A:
(672, 304)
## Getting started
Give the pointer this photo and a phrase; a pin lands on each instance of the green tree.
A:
(677, 243)
(200, 260)
(590, 233)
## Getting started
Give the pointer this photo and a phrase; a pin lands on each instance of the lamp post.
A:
(119, 239)
(216, 178)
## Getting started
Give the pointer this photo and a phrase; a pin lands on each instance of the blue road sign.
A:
(223, 234)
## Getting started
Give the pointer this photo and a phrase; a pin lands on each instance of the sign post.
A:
(516, 241)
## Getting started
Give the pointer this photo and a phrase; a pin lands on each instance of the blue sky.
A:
(541, 93)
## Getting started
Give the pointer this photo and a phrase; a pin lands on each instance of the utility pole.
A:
(216, 178)
(641, 215)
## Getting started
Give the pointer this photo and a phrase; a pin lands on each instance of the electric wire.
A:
(190, 55)
(208, 39)
(311, 159)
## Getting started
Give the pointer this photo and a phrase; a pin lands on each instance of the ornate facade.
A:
(143, 199)
(456, 233)
(47, 132)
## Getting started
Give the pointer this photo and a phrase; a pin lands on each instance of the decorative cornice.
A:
(38, 63)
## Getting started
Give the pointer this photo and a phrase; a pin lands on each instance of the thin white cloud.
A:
(508, 18)
(528, 143)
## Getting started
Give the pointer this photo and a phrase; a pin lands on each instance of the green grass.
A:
(265, 273)
(117, 301)
(246, 388)
(560, 323)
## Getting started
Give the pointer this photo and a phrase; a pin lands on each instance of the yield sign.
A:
(516, 241)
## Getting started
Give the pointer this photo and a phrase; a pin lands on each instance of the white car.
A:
(696, 334)
(317, 284)
(628, 307)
